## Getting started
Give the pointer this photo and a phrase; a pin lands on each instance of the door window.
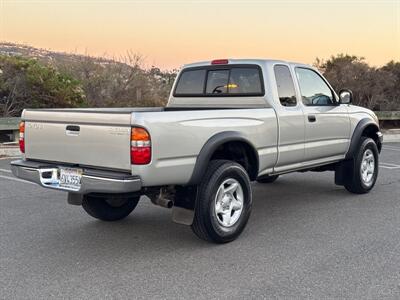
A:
(314, 90)
(284, 83)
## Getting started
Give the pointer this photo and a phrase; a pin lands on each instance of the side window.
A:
(284, 83)
(314, 90)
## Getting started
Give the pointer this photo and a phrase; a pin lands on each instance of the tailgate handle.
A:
(73, 128)
(312, 118)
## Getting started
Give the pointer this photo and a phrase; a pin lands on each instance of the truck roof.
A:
(243, 61)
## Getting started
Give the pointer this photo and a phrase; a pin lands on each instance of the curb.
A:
(391, 138)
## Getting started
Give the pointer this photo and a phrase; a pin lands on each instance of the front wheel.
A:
(223, 203)
(365, 168)
(109, 208)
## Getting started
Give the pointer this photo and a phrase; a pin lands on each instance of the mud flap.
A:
(184, 203)
(344, 171)
(182, 215)
(75, 199)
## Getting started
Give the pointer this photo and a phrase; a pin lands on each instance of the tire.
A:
(356, 182)
(218, 217)
(109, 208)
(267, 179)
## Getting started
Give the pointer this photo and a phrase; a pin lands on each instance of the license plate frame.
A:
(70, 178)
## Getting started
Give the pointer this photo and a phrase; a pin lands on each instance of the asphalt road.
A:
(305, 238)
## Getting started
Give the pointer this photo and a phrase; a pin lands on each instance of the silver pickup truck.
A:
(227, 123)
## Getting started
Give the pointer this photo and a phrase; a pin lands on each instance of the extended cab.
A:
(227, 123)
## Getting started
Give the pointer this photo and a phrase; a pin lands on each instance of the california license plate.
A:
(70, 179)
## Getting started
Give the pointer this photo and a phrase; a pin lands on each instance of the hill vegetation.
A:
(37, 78)
(375, 88)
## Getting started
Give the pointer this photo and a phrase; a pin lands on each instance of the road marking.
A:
(9, 157)
(5, 170)
(389, 166)
(16, 179)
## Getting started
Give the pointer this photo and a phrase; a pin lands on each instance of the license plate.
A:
(70, 179)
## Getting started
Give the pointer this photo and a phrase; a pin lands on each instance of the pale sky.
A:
(170, 33)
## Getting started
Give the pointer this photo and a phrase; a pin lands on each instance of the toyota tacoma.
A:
(228, 122)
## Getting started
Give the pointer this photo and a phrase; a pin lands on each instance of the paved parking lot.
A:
(306, 238)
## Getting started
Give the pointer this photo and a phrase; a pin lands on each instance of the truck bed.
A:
(100, 137)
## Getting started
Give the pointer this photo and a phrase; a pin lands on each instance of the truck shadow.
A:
(149, 229)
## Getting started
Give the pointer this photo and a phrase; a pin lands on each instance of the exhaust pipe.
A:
(162, 198)
(163, 202)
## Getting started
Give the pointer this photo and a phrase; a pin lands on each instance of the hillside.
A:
(48, 56)
(33, 77)
(68, 80)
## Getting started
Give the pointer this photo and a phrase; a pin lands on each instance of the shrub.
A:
(26, 83)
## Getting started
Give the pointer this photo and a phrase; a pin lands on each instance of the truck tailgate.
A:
(97, 138)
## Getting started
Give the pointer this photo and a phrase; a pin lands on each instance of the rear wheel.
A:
(110, 207)
(223, 203)
(267, 179)
(365, 168)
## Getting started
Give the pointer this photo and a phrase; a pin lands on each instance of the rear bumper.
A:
(92, 181)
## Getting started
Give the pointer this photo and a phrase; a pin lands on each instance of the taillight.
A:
(22, 137)
(220, 62)
(140, 146)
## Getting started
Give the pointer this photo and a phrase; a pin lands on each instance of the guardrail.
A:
(9, 123)
(388, 115)
(9, 130)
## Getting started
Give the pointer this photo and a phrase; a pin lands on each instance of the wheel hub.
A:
(367, 168)
(229, 202)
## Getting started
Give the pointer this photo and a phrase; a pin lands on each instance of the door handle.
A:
(312, 118)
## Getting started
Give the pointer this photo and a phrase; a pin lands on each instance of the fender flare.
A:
(211, 146)
(355, 139)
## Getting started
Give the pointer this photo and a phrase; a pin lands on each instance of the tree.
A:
(371, 86)
(26, 83)
(393, 94)
(122, 82)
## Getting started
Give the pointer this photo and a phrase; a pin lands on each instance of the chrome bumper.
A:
(92, 181)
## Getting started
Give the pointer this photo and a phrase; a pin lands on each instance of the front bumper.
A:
(380, 136)
(92, 181)
(380, 140)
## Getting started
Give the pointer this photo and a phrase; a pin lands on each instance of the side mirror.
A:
(345, 96)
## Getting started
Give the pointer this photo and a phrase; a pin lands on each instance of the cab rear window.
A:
(191, 82)
(222, 81)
